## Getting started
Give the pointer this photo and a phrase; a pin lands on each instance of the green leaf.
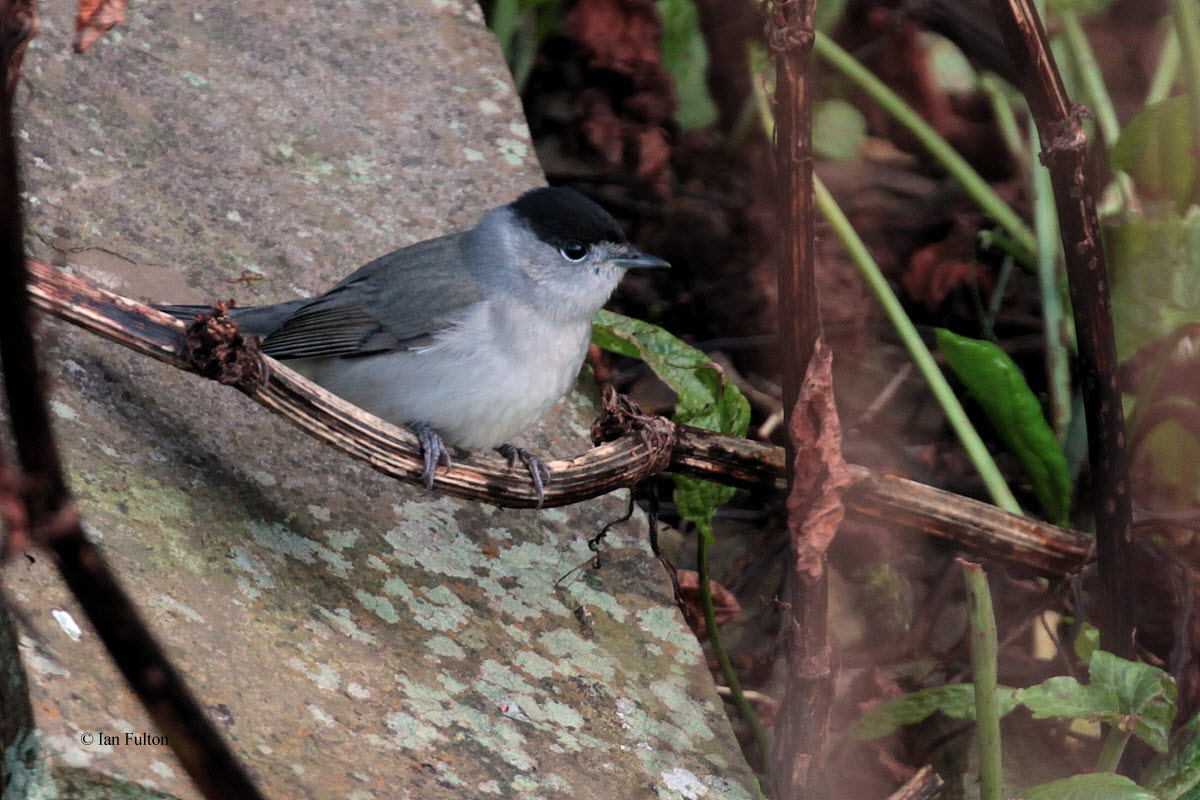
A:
(956, 700)
(838, 130)
(952, 72)
(1093, 786)
(1066, 697)
(685, 55)
(1079, 6)
(1155, 148)
(1155, 270)
(704, 398)
(1118, 689)
(997, 384)
(1142, 690)
(698, 500)
(1087, 642)
(1176, 775)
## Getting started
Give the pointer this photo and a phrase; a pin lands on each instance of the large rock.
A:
(352, 637)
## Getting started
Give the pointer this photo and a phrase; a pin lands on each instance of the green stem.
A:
(1187, 25)
(1088, 70)
(1167, 69)
(978, 453)
(718, 646)
(975, 186)
(983, 667)
(1006, 119)
(1113, 749)
(1058, 356)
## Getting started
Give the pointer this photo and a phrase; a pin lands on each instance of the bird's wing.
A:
(395, 302)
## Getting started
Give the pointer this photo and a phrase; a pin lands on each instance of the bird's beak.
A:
(636, 259)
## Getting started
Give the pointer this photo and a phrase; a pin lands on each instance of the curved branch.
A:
(976, 527)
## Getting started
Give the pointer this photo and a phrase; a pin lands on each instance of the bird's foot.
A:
(434, 451)
(537, 468)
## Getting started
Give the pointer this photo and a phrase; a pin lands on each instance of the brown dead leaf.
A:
(820, 476)
(725, 604)
(933, 272)
(621, 35)
(14, 516)
(20, 26)
(628, 114)
(94, 19)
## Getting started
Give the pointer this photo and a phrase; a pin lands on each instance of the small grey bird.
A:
(467, 338)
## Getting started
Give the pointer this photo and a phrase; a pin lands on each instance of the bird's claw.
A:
(537, 468)
(434, 450)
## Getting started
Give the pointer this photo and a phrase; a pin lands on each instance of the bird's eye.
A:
(573, 251)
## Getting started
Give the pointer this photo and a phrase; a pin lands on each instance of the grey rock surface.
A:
(352, 637)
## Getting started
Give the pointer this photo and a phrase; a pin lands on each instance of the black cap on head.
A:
(561, 216)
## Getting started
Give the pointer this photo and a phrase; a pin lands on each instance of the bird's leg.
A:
(537, 468)
(433, 449)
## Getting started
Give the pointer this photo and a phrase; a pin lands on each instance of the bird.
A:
(468, 338)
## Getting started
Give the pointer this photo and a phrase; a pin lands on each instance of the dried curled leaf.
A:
(94, 19)
(815, 507)
(725, 603)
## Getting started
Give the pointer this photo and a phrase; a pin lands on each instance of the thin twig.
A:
(1064, 151)
(815, 478)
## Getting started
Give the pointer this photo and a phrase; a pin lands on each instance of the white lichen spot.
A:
(360, 169)
(358, 691)
(67, 623)
(318, 713)
(491, 787)
(382, 607)
(264, 478)
(438, 610)
(502, 677)
(513, 151)
(446, 647)
(62, 410)
(171, 604)
(453, 688)
(489, 106)
(664, 623)
(561, 714)
(244, 561)
(672, 694)
(577, 654)
(472, 155)
(533, 665)
(685, 783)
(233, 216)
(278, 539)
(340, 618)
(194, 79)
(163, 770)
(319, 513)
(322, 675)
(340, 540)
(375, 562)
(411, 733)
(338, 562)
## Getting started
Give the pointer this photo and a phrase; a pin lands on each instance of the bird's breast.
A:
(480, 382)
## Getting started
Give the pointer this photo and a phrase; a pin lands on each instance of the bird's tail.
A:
(252, 320)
